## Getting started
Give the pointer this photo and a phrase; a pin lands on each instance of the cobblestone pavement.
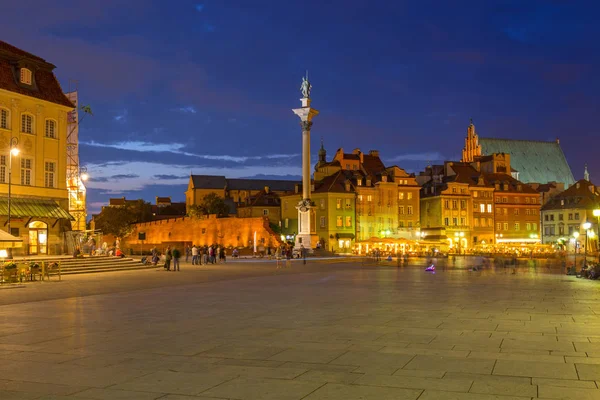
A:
(321, 331)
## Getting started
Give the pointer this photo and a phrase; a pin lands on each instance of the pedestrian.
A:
(168, 258)
(218, 254)
(303, 253)
(205, 255)
(269, 252)
(278, 256)
(176, 256)
(288, 257)
(194, 255)
(188, 252)
(222, 255)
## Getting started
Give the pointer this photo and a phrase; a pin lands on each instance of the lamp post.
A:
(14, 151)
(596, 213)
(586, 227)
(458, 237)
(575, 235)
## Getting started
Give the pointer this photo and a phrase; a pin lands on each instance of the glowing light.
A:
(587, 225)
(14, 151)
(575, 234)
(84, 177)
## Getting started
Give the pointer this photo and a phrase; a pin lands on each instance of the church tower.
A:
(322, 156)
(472, 147)
(586, 174)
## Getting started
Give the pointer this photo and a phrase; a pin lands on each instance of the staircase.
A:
(88, 265)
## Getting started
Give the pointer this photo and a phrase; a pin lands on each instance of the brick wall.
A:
(236, 232)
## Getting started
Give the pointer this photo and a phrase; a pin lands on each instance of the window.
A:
(26, 171)
(454, 204)
(401, 210)
(3, 169)
(454, 221)
(348, 204)
(322, 204)
(506, 226)
(26, 123)
(463, 190)
(409, 210)
(505, 211)
(560, 217)
(475, 194)
(26, 76)
(446, 204)
(489, 207)
(322, 219)
(446, 221)
(265, 211)
(546, 217)
(482, 207)
(463, 204)
(476, 222)
(50, 129)
(409, 196)
(570, 217)
(50, 169)
(498, 199)
(498, 226)
(483, 222)
(528, 226)
(338, 204)
(517, 226)
(516, 211)
(359, 182)
(576, 216)
(409, 224)
(463, 222)
(534, 227)
(369, 198)
(3, 118)
(400, 195)
(348, 222)
(527, 212)
(505, 199)
(498, 210)
(360, 198)
(338, 221)
(401, 224)
(285, 205)
(517, 200)
(533, 200)
(527, 200)
(490, 223)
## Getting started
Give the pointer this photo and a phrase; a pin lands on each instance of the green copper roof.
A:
(539, 162)
(28, 207)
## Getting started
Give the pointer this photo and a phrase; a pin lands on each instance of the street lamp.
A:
(575, 235)
(596, 213)
(14, 151)
(586, 227)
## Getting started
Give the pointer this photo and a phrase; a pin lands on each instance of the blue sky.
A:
(207, 87)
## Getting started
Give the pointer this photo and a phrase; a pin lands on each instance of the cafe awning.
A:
(9, 241)
(345, 235)
(21, 207)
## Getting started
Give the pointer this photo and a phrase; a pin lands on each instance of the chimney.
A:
(266, 189)
(374, 153)
(557, 141)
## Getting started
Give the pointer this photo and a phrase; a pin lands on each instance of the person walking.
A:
(176, 256)
(194, 251)
(303, 254)
(168, 258)
(222, 255)
(188, 252)
(205, 255)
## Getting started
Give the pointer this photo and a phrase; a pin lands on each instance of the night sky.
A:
(207, 87)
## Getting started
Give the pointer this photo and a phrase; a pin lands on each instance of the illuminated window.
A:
(489, 208)
(528, 226)
(348, 203)
(409, 196)
(26, 171)
(26, 76)
(517, 226)
(265, 212)
(348, 222)
(26, 123)
(409, 210)
(338, 204)
(3, 169)
(3, 118)
(49, 172)
(50, 129)
(369, 198)
(482, 207)
(400, 195)
(338, 221)
(322, 219)
(401, 210)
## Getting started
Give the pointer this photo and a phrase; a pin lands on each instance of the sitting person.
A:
(119, 253)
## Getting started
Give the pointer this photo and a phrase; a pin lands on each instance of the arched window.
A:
(26, 76)
(26, 123)
(4, 118)
(51, 128)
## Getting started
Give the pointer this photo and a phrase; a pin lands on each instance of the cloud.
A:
(124, 176)
(178, 148)
(98, 179)
(433, 156)
(168, 177)
(187, 110)
(122, 117)
(287, 177)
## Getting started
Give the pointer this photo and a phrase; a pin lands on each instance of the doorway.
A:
(38, 237)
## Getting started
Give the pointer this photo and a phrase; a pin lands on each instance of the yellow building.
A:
(387, 198)
(333, 215)
(33, 122)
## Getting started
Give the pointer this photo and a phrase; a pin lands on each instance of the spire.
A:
(322, 152)
(586, 174)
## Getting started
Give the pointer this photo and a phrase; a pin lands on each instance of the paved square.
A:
(327, 330)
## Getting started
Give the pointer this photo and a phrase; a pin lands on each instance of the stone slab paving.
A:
(327, 330)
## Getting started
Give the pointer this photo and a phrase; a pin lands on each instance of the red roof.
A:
(45, 85)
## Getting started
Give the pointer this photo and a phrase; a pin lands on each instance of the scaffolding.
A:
(75, 173)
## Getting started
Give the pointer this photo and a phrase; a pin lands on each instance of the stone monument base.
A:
(309, 241)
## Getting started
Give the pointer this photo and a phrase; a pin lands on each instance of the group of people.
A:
(203, 255)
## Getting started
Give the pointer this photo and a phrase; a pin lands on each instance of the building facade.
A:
(566, 213)
(33, 119)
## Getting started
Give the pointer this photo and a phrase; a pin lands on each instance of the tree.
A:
(209, 204)
(117, 221)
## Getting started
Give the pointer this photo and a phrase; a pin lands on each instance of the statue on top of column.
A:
(306, 87)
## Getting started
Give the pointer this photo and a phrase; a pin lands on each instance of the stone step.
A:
(139, 266)
(100, 266)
